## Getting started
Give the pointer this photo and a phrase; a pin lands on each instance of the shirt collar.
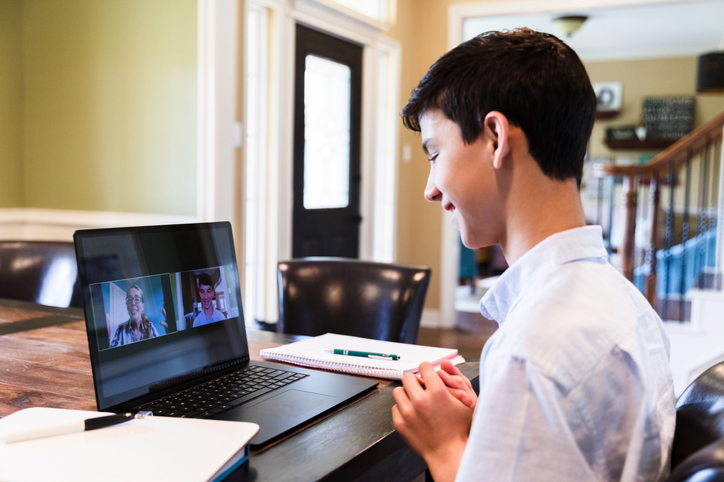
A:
(560, 248)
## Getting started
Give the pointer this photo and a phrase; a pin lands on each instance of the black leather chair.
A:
(351, 297)
(43, 272)
(698, 450)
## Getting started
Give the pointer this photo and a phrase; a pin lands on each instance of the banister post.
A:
(651, 278)
(630, 233)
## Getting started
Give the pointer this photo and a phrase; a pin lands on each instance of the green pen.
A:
(364, 354)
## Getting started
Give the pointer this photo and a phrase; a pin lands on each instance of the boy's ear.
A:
(497, 129)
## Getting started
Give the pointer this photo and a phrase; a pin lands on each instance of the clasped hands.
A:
(433, 415)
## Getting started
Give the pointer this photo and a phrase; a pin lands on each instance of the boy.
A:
(207, 292)
(575, 384)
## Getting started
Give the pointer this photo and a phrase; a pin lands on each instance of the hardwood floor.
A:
(468, 337)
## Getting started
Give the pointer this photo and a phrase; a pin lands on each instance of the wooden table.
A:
(44, 362)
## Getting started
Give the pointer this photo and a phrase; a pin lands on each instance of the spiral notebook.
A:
(313, 353)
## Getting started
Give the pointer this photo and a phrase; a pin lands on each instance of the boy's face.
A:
(462, 179)
(206, 293)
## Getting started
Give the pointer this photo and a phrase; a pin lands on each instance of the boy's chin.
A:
(473, 242)
(469, 243)
(468, 238)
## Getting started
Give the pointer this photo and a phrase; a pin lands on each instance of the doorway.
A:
(327, 131)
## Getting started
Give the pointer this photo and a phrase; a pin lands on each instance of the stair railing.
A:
(672, 170)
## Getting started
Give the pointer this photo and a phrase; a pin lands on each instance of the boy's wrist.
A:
(444, 462)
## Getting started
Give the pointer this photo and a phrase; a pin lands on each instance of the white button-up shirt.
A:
(575, 385)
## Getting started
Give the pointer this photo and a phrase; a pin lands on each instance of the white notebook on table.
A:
(313, 353)
(154, 448)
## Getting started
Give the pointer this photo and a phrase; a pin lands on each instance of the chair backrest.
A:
(43, 272)
(351, 297)
(698, 450)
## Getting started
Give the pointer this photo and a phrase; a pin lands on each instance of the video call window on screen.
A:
(141, 309)
(135, 310)
(207, 296)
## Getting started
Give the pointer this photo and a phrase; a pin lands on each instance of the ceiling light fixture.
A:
(568, 24)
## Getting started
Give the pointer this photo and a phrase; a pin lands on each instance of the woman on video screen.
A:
(138, 327)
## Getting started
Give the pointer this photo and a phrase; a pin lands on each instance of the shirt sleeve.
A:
(520, 430)
(153, 332)
(118, 337)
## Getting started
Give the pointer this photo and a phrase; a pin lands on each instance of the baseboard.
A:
(434, 319)
(59, 225)
(431, 319)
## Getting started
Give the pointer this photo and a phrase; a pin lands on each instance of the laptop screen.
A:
(162, 306)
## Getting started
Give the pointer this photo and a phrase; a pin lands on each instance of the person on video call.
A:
(209, 313)
(575, 384)
(138, 327)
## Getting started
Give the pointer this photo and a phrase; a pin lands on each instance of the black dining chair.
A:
(698, 450)
(382, 301)
(43, 272)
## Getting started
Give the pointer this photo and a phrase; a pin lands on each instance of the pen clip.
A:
(386, 358)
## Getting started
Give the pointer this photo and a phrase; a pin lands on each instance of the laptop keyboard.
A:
(222, 393)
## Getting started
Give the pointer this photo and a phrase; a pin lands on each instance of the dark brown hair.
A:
(533, 78)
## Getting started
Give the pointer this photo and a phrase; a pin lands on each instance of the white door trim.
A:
(216, 171)
(350, 27)
(325, 16)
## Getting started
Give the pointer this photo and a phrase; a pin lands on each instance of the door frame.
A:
(350, 27)
(348, 54)
(347, 25)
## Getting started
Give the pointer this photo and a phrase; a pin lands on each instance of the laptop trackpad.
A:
(291, 403)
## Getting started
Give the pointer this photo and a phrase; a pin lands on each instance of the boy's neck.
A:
(539, 210)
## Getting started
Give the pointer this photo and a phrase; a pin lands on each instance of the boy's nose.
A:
(432, 193)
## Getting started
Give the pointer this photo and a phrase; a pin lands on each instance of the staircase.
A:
(672, 243)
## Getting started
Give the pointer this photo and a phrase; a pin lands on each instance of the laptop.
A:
(166, 333)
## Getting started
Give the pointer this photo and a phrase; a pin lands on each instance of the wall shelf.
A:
(639, 145)
(606, 114)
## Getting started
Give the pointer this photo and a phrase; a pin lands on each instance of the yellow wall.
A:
(109, 105)
(11, 178)
(418, 222)
(422, 29)
(643, 78)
